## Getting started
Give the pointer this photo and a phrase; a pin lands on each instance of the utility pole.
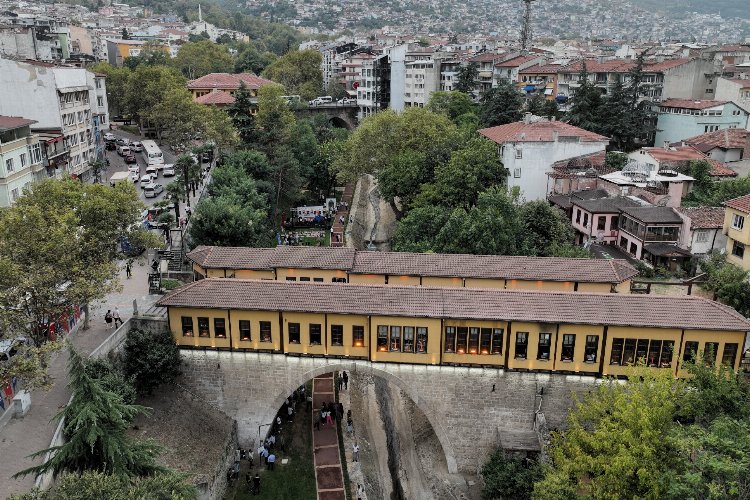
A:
(526, 29)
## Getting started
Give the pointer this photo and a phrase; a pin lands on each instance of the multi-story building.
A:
(540, 79)
(448, 72)
(366, 89)
(737, 229)
(64, 103)
(423, 73)
(486, 67)
(528, 149)
(702, 229)
(682, 118)
(39, 38)
(508, 70)
(652, 233)
(333, 55)
(736, 90)
(21, 159)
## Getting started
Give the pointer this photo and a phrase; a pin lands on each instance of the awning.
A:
(548, 91)
(666, 250)
(529, 88)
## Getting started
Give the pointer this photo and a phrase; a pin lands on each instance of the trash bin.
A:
(22, 402)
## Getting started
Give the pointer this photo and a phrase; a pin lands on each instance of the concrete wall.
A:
(465, 406)
(671, 127)
(689, 81)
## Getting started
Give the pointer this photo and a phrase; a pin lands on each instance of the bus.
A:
(152, 154)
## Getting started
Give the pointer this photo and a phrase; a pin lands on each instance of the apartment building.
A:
(423, 77)
(40, 38)
(64, 102)
(508, 70)
(736, 90)
(682, 118)
(539, 79)
(737, 230)
(21, 158)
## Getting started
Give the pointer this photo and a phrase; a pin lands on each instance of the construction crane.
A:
(526, 30)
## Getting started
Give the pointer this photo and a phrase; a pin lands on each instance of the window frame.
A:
(191, 330)
(337, 331)
(691, 351)
(738, 222)
(294, 329)
(733, 348)
(394, 338)
(245, 325)
(408, 336)
(382, 338)
(422, 339)
(201, 320)
(544, 346)
(315, 329)
(522, 344)
(358, 335)
(568, 349)
(264, 329)
(220, 328)
(592, 344)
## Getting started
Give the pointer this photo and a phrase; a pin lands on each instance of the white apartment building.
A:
(366, 90)
(736, 90)
(423, 77)
(21, 159)
(65, 102)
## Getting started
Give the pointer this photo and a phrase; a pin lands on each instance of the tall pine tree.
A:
(241, 116)
(587, 104)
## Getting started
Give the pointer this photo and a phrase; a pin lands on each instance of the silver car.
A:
(153, 190)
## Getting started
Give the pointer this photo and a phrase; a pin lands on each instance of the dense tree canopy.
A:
(299, 72)
(197, 59)
(500, 105)
(452, 104)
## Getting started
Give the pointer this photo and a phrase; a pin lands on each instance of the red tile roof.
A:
(590, 165)
(742, 203)
(594, 66)
(227, 81)
(728, 138)
(718, 169)
(13, 122)
(655, 67)
(542, 131)
(542, 69)
(516, 61)
(680, 155)
(703, 217)
(486, 57)
(690, 103)
(656, 311)
(216, 97)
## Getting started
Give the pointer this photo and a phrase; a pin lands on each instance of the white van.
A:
(146, 180)
(321, 100)
(153, 171)
(123, 150)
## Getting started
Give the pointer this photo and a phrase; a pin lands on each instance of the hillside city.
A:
(431, 250)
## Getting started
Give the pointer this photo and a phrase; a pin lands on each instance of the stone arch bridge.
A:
(470, 409)
(339, 115)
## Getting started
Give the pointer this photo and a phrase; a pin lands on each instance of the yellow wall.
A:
(433, 340)
(623, 287)
(367, 279)
(282, 273)
(252, 275)
(562, 286)
(403, 280)
(437, 281)
(614, 332)
(304, 319)
(349, 349)
(214, 273)
(484, 283)
(704, 336)
(475, 359)
(198, 269)
(175, 323)
(579, 364)
(595, 287)
(531, 363)
(255, 317)
(742, 236)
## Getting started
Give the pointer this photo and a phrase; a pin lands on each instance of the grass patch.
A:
(342, 451)
(296, 480)
(169, 284)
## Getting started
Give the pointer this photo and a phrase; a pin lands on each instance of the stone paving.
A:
(328, 472)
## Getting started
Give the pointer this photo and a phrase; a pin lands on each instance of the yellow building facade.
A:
(737, 229)
(586, 334)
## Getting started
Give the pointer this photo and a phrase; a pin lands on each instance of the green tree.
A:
(149, 86)
(96, 424)
(728, 283)
(224, 221)
(452, 104)
(274, 118)
(198, 59)
(256, 165)
(586, 110)
(418, 230)
(152, 53)
(189, 174)
(111, 378)
(150, 359)
(335, 90)
(539, 105)
(466, 78)
(544, 226)
(253, 60)
(124, 34)
(500, 105)
(178, 119)
(299, 72)
(240, 111)
(700, 170)
(505, 476)
(616, 159)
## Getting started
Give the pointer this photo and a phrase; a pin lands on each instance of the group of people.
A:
(113, 317)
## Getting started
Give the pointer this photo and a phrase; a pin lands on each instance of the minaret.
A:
(200, 14)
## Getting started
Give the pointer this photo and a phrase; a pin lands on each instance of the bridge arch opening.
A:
(294, 382)
(339, 122)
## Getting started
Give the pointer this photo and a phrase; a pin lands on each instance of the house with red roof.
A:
(218, 89)
(702, 229)
(726, 145)
(507, 71)
(681, 118)
(737, 229)
(529, 148)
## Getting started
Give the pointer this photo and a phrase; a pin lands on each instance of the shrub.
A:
(150, 359)
(506, 476)
(169, 284)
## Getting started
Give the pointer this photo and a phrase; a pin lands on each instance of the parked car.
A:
(109, 136)
(151, 169)
(122, 150)
(134, 168)
(153, 190)
(137, 147)
(168, 170)
(135, 176)
(110, 146)
(145, 180)
(347, 100)
(321, 100)
(130, 158)
(123, 141)
(10, 347)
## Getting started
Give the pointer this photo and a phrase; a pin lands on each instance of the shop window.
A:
(628, 352)
(187, 326)
(395, 342)
(421, 344)
(485, 340)
(203, 330)
(220, 328)
(382, 338)
(245, 330)
(568, 347)
(592, 348)
(463, 334)
(667, 348)
(358, 335)
(265, 331)
(729, 356)
(615, 357)
(337, 335)
(450, 339)
(473, 340)
(544, 345)
(408, 339)
(522, 344)
(691, 349)
(315, 334)
(293, 333)
(641, 351)
(710, 353)
(653, 353)
(497, 341)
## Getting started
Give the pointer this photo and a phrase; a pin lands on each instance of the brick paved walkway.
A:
(328, 472)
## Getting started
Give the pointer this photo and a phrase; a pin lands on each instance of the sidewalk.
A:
(329, 475)
(22, 437)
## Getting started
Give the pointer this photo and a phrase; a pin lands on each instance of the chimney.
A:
(555, 135)
(527, 118)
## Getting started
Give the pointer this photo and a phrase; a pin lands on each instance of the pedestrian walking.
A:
(340, 410)
(262, 454)
(116, 316)
(360, 492)
(271, 461)
(346, 381)
(355, 452)
(329, 420)
(341, 382)
(128, 270)
(309, 402)
(155, 265)
(108, 318)
(256, 484)
(290, 413)
(349, 426)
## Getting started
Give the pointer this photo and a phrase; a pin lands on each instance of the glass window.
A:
(318, 280)
(667, 348)
(616, 352)
(304, 278)
(245, 330)
(315, 334)
(568, 347)
(497, 341)
(288, 278)
(382, 338)
(337, 334)
(544, 344)
(592, 348)
(578, 215)
(738, 249)
(691, 349)
(473, 340)
(485, 340)
(628, 352)
(729, 356)
(395, 342)
(653, 353)
(710, 353)
(338, 280)
(601, 223)
(421, 339)
(220, 328)
(463, 335)
(358, 335)
(293, 333)
(187, 326)
(203, 330)
(585, 219)
(522, 344)
(408, 339)
(9, 164)
(641, 350)
(265, 331)
(738, 222)
(450, 339)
